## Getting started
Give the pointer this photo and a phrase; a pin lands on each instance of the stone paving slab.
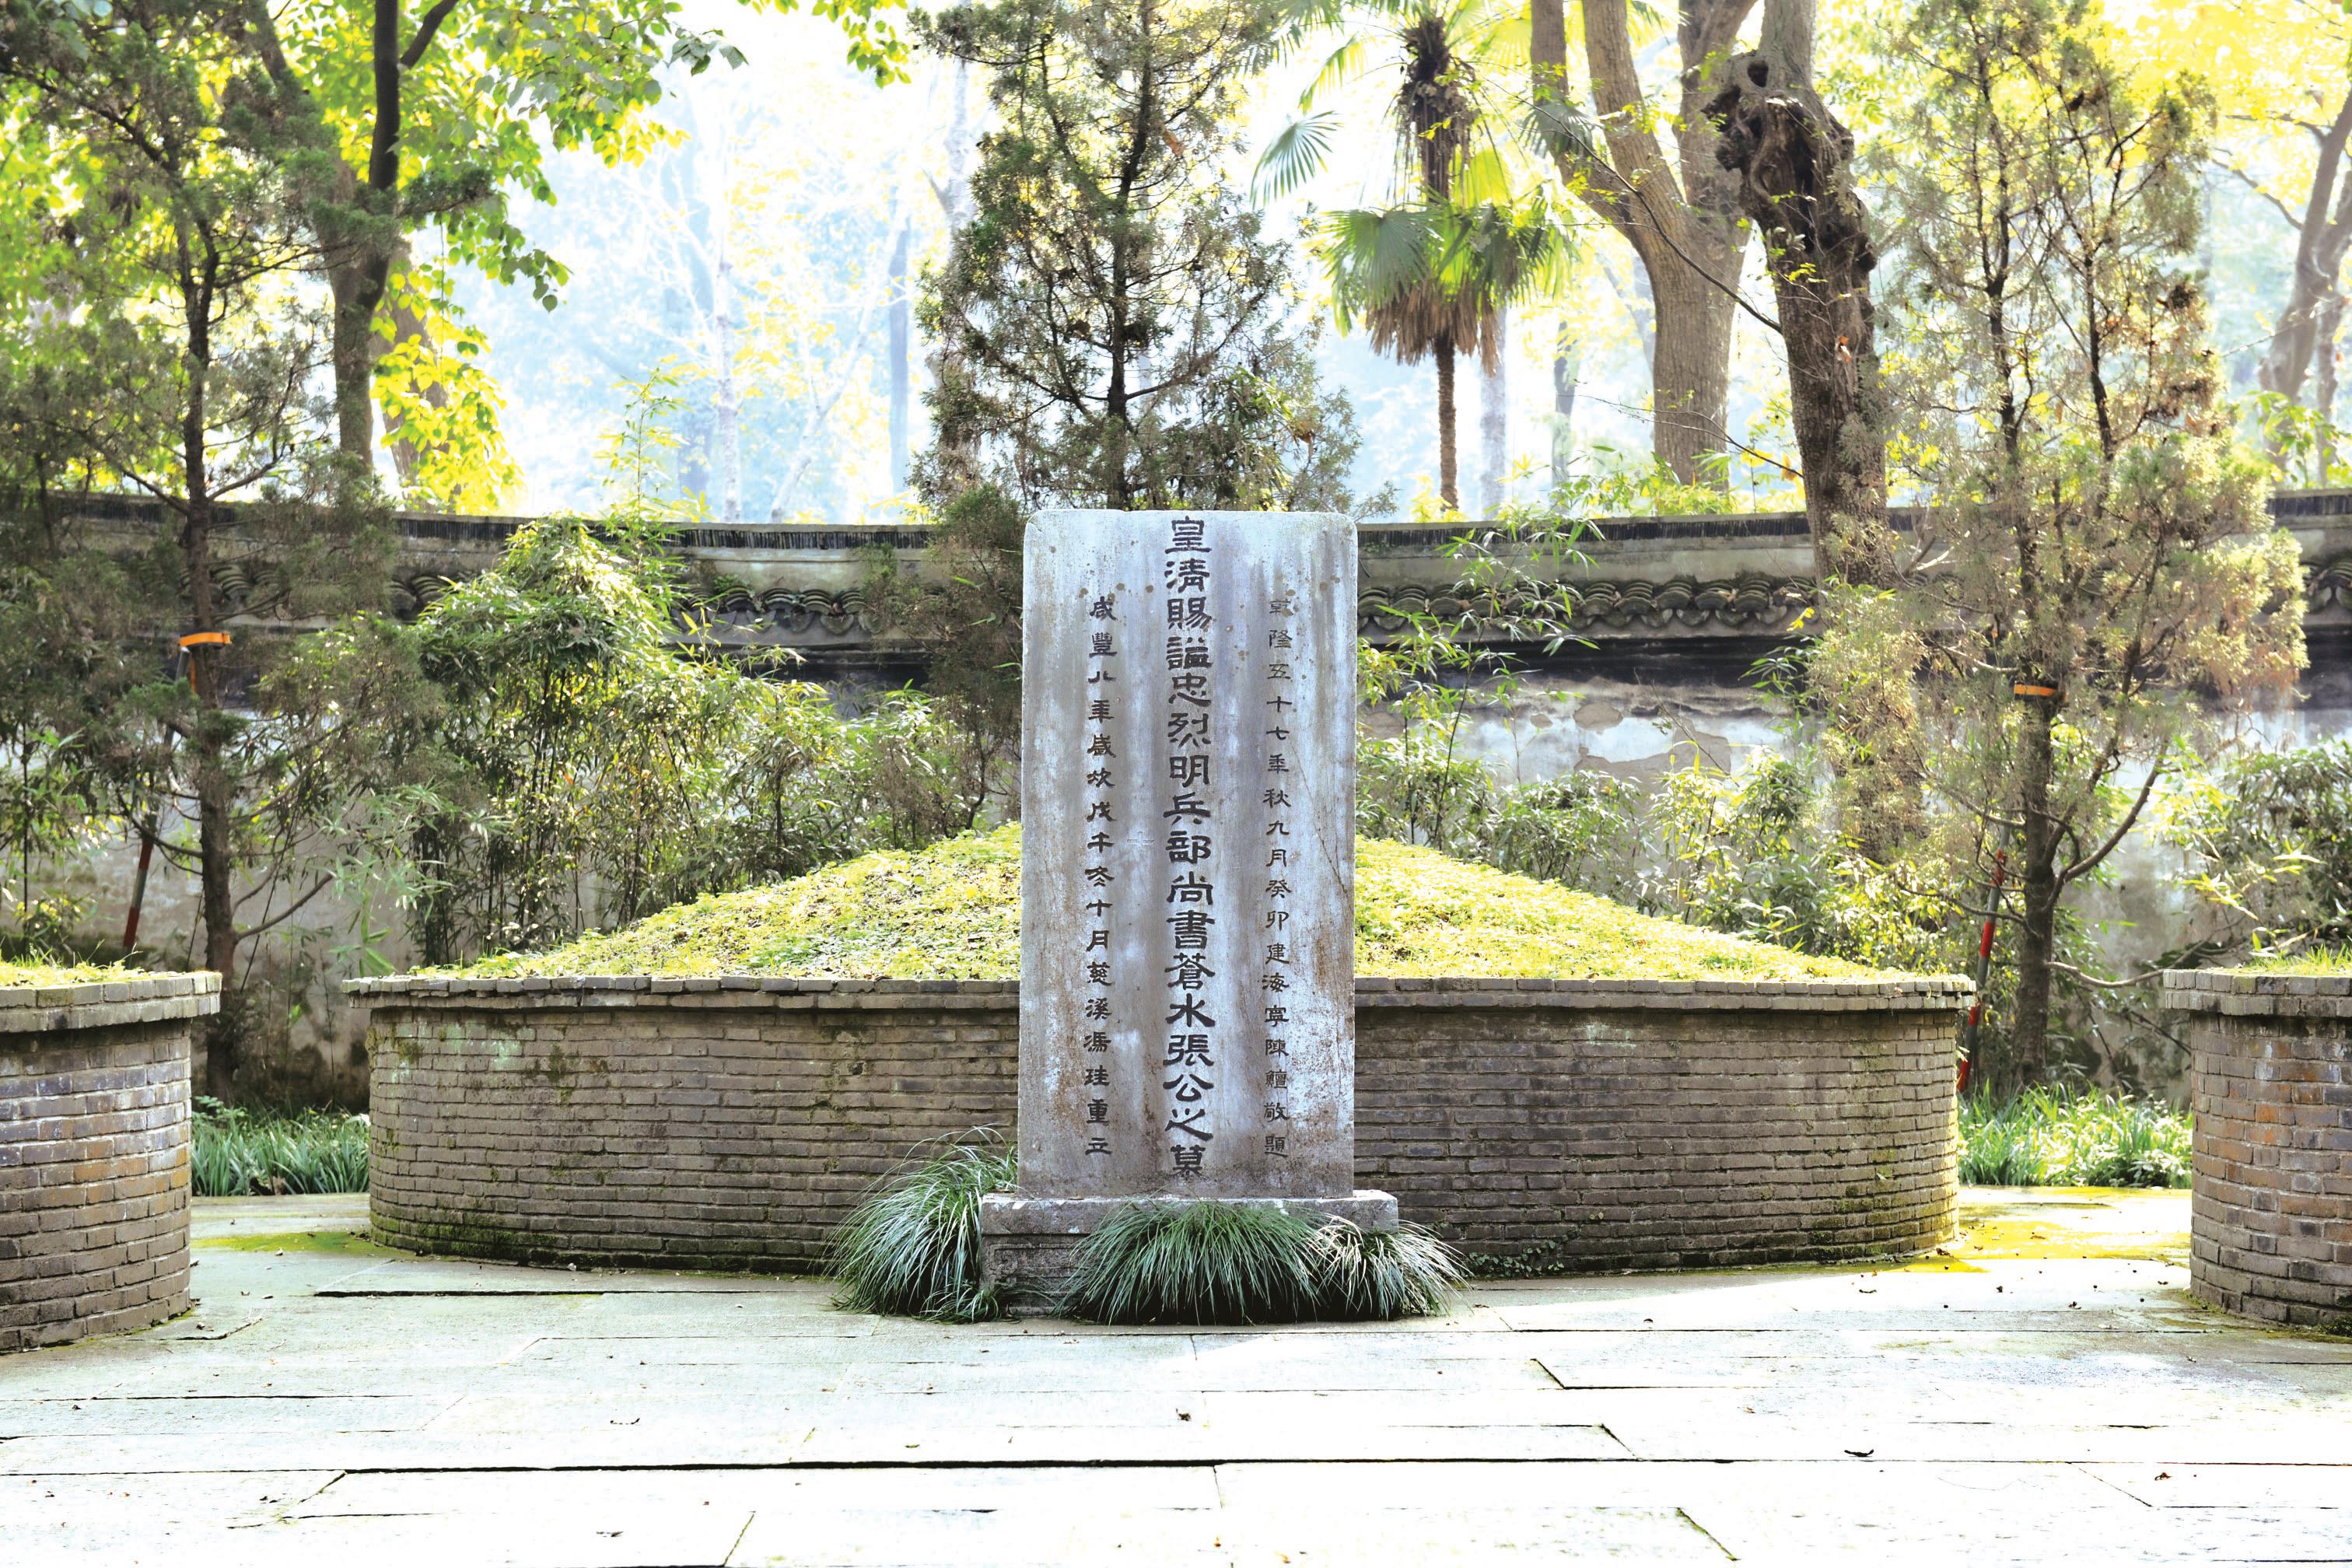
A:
(2005, 1402)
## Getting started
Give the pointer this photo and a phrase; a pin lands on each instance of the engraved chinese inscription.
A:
(1187, 884)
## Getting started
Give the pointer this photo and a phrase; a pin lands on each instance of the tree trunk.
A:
(2321, 242)
(714, 169)
(215, 802)
(951, 461)
(357, 275)
(2322, 390)
(955, 197)
(901, 375)
(1682, 216)
(351, 345)
(2037, 929)
(1793, 160)
(208, 733)
(1448, 488)
(1495, 425)
(1690, 374)
(726, 405)
(1566, 361)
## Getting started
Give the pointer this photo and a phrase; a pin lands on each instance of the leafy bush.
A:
(913, 1248)
(583, 755)
(239, 1153)
(2061, 1137)
(2270, 846)
(1750, 852)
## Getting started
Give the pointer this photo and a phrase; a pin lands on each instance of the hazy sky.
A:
(800, 176)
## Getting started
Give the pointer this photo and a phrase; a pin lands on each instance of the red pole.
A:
(1984, 966)
(139, 886)
(155, 816)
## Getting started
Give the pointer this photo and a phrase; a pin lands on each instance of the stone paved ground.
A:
(2046, 1392)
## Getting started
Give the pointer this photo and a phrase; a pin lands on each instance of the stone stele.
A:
(1188, 874)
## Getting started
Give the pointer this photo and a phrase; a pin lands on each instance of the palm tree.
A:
(1428, 276)
(1429, 282)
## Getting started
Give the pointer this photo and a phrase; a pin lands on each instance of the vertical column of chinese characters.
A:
(1281, 861)
(1102, 683)
(1192, 890)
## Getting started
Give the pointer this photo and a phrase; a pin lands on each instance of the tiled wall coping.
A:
(107, 1004)
(2238, 995)
(1902, 993)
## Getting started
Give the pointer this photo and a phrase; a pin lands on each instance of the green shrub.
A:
(2269, 840)
(912, 1247)
(1384, 1274)
(2062, 1137)
(239, 1153)
(1251, 1263)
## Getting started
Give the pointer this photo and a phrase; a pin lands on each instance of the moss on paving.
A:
(953, 911)
(2328, 960)
(14, 974)
(339, 1241)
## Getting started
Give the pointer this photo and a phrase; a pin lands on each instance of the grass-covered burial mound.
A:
(953, 913)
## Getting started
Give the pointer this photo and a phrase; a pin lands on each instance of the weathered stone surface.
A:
(375, 1410)
(1188, 874)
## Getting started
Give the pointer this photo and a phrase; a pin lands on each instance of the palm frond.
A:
(1554, 126)
(1503, 43)
(1295, 155)
(1340, 66)
(1416, 277)
(1482, 178)
(1378, 259)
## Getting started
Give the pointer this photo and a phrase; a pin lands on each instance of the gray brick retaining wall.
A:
(94, 1154)
(1664, 1127)
(734, 1124)
(2269, 1223)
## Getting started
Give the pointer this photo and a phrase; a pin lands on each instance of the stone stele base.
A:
(1029, 1244)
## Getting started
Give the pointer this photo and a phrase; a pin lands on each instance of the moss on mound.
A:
(953, 913)
(2317, 961)
(13, 974)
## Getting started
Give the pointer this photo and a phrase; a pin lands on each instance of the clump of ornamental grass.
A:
(1195, 1263)
(1209, 1262)
(1383, 1275)
(238, 1152)
(912, 1247)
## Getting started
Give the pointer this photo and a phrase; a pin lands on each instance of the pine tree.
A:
(1114, 328)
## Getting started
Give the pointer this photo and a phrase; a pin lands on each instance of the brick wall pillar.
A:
(2270, 1225)
(94, 1176)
